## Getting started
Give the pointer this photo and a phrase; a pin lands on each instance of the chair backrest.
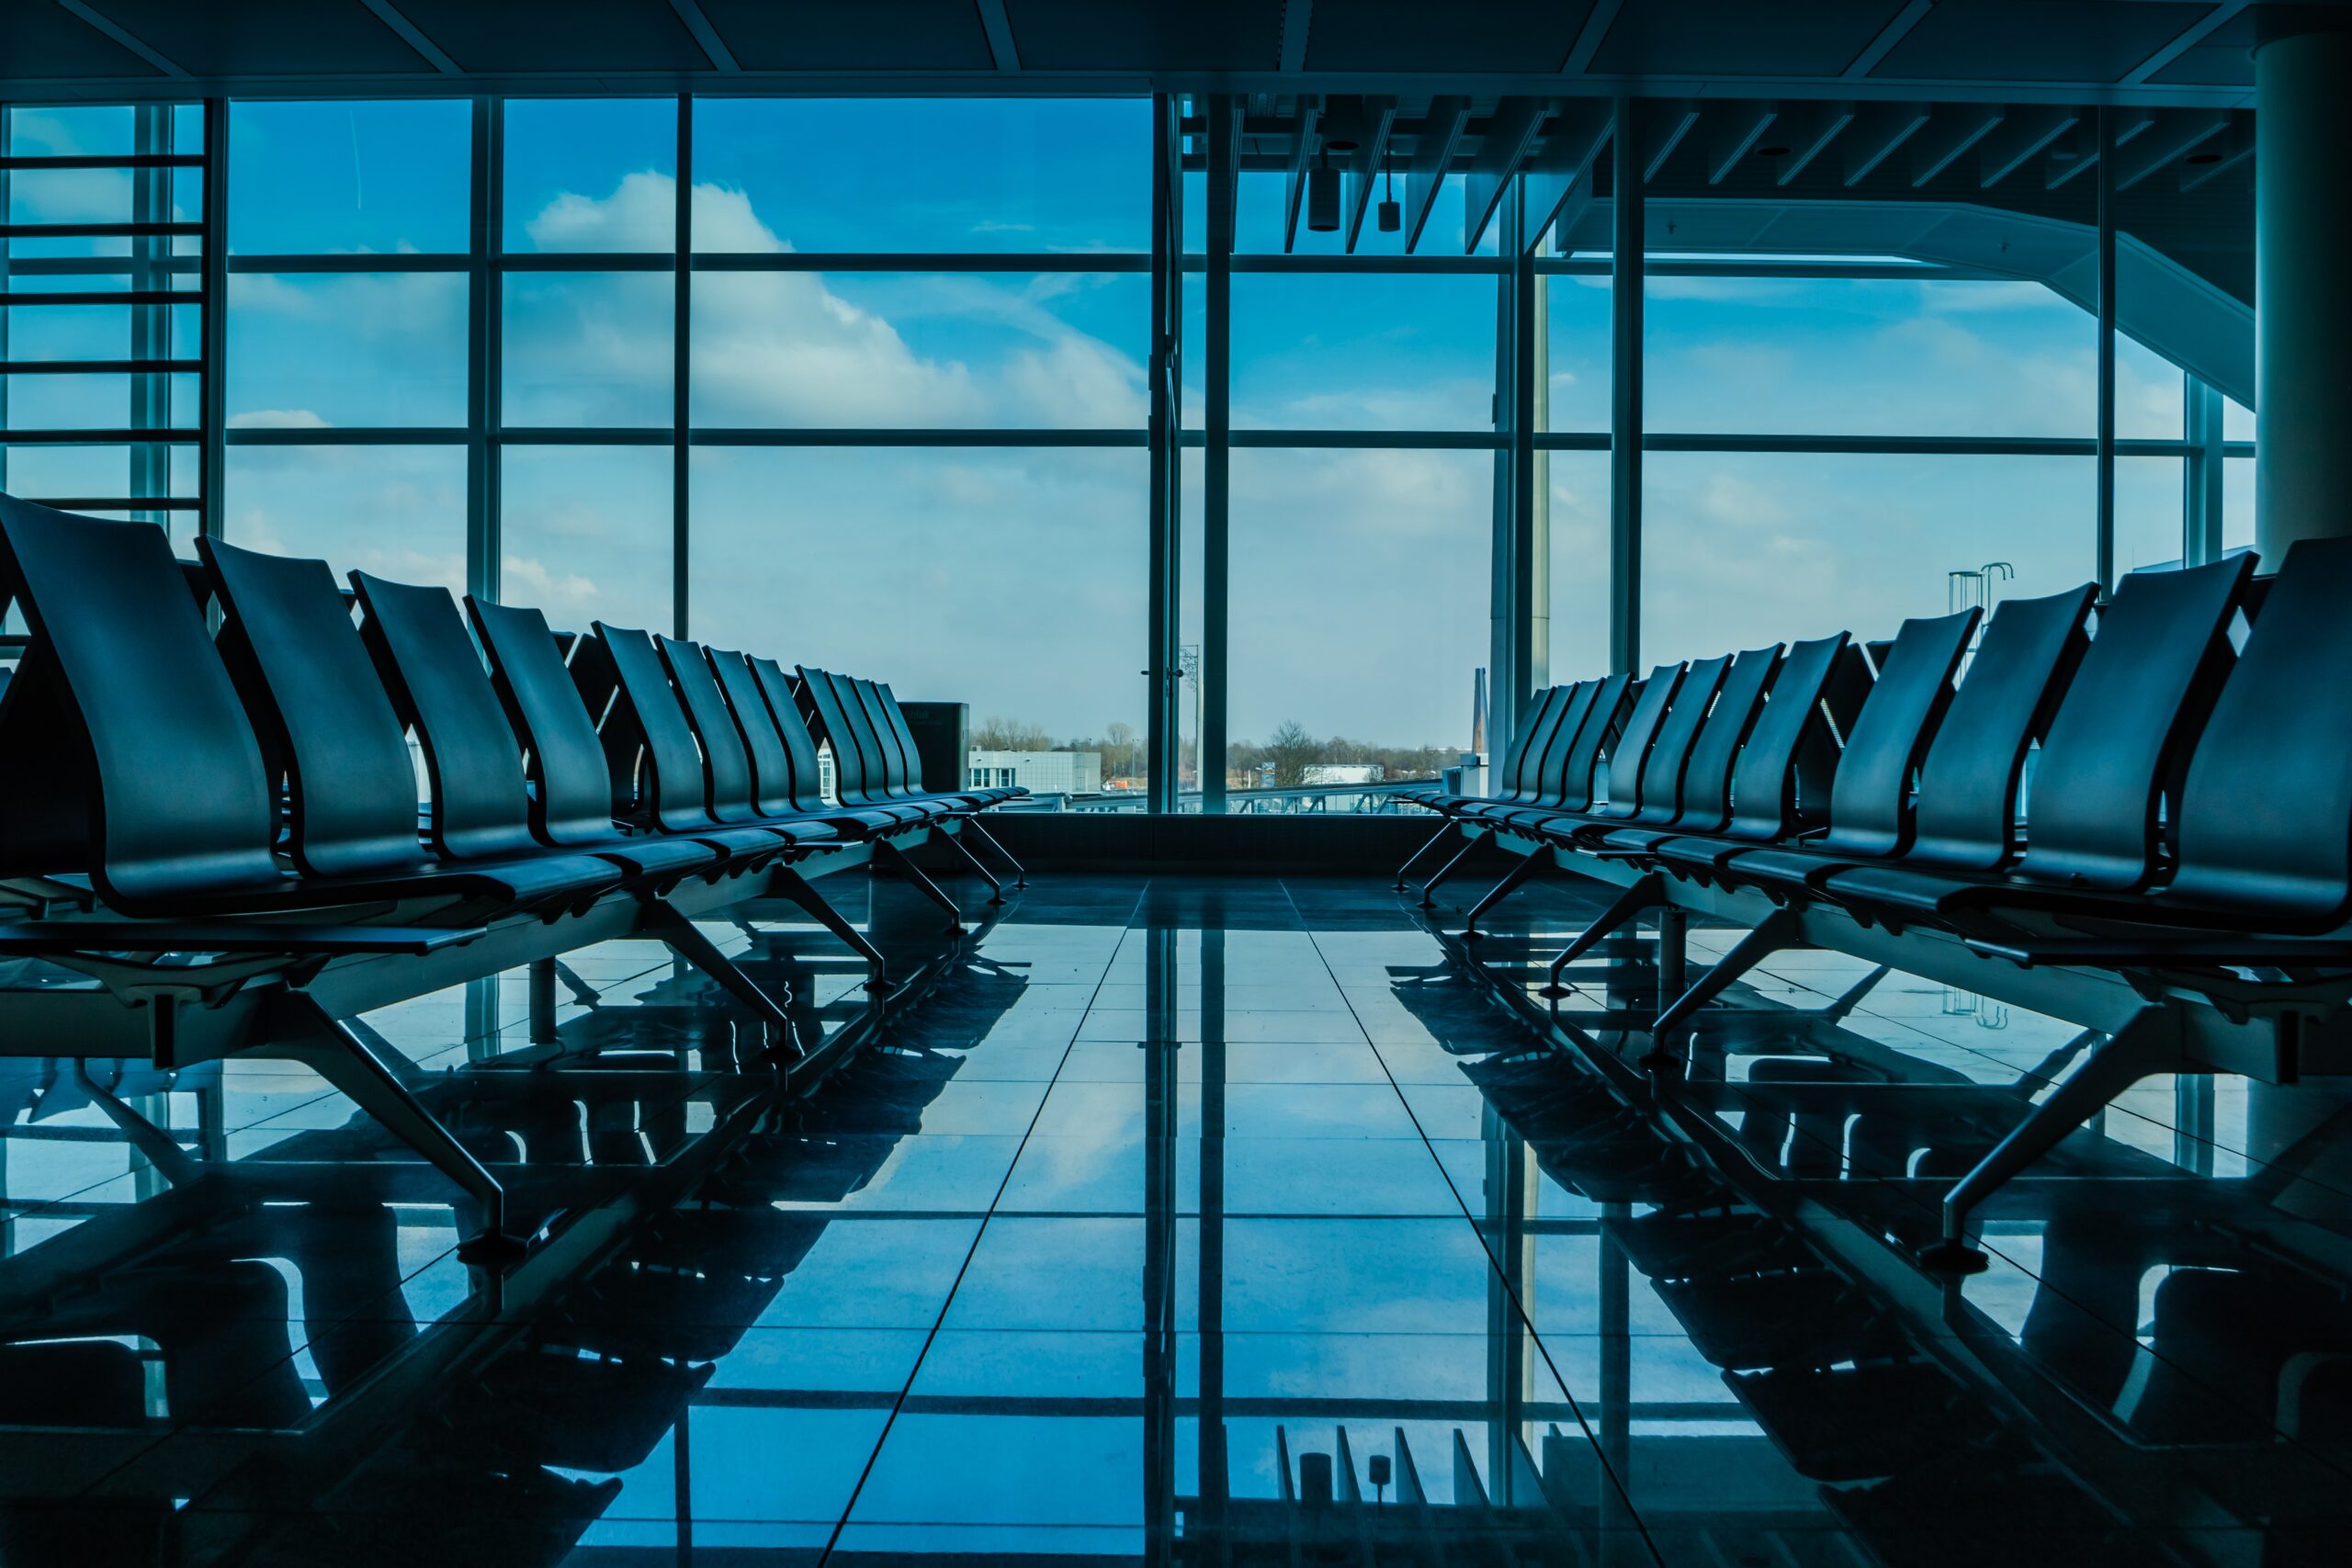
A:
(2265, 815)
(129, 755)
(1632, 744)
(791, 729)
(1869, 800)
(433, 674)
(857, 776)
(1547, 751)
(763, 746)
(307, 680)
(572, 799)
(893, 719)
(1657, 792)
(1764, 781)
(898, 765)
(725, 765)
(1704, 802)
(2133, 715)
(1522, 765)
(1966, 815)
(1568, 776)
(671, 787)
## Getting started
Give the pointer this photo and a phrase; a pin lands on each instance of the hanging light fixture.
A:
(1323, 195)
(1392, 216)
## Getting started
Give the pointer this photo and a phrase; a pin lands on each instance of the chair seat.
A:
(1696, 852)
(1782, 869)
(657, 856)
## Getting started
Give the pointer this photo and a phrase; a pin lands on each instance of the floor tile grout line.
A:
(1519, 1308)
(866, 1471)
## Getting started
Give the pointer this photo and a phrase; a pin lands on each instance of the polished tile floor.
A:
(1178, 1218)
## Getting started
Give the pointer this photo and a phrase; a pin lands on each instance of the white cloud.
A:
(278, 419)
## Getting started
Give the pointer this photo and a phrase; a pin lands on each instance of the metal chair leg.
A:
(1020, 876)
(1775, 931)
(1645, 892)
(688, 941)
(1414, 858)
(1513, 881)
(996, 888)
(325, 1045)
(801, 891)
(924, 884)
(1445, 871)
(2148, 1043)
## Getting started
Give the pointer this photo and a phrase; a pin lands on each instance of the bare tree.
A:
(993, 734)
(1291, 750)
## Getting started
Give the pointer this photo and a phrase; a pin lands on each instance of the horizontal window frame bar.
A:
(1876, 445)
(104, 266)
(920, 261)
(1366, 440)
(101, 367)
(116, 504)
(133, 299)
(101, 230)
(176, 435)
(102, 161)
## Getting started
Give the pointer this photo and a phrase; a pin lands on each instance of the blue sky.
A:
(1014, 577)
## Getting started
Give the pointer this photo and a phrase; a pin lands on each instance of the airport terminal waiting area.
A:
(483, 1091)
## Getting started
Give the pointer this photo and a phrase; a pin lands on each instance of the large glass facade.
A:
(645, 359)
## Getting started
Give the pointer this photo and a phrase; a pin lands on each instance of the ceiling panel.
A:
(1140, 35)
(1741, 38)
(2039, 41)
(873, 35)
(521, 36)
(264, 38)
(43, 40)
(1410, 35)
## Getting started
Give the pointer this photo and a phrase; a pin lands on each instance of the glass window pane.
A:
(923, 568)
(1742, 549)
(2151, 392)
(2148, 498)
(1359, 613)
(341, 179)
(98, 400)
(72, 129)
(38, 333)
(1362, 352)
(346, 349)
(1868, 356)
(589, 348)
(57, 471)
(920, 350)
(1576, 323)
(1577, 573)
(584, 533)
(591, 175)
(923, 175)
(398, 512)
(1258, 220)
(2237, 504)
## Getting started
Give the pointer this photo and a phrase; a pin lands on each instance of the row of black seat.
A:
(2172, 794)
(171, 792)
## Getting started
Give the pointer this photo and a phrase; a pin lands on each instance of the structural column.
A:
(2302, 308)
(1626, 196)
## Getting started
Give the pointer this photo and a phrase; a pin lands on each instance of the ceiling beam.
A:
(998, 29)
(2189, 38)
(1511, 136)
(1807, 132)
(1367, 163)
(2167, 144)
(2014, 143)
(106, 26)
(1432, 155)
(1661, 127)
(1302, 147)
(1736, 128)
(1878, 133)
(1560, 171)
(706, 36)
(1298, 16)
(1597, 23)
(2233, 147)
(2079, 151)
(1950, 131)
(1879, 47)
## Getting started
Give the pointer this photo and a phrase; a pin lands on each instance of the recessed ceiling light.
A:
(1771, 152)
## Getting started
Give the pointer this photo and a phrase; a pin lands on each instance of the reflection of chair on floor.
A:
(77, 1382)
